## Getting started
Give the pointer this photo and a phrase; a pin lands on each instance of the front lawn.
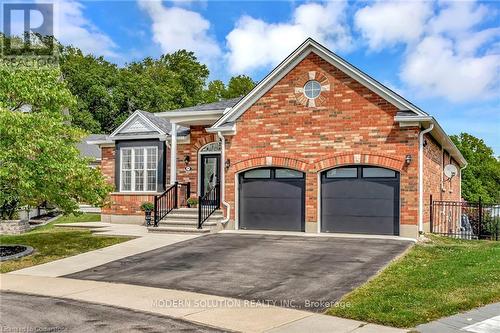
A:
(433, 280)
(52, 243)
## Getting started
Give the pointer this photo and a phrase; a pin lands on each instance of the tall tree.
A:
(92, 80)
(481, 178)
(239, 86)
(39, 160)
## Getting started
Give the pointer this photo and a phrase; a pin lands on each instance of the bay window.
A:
(139, 169)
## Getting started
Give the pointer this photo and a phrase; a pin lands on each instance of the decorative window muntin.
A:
(312, 89)
(139, 169)
(212, 147)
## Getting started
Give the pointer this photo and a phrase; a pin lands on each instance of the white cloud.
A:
(387, 23)
(254, 43)
(177, 28)
(446, 54)
(433, 68)
(73, 28)
(457, 16)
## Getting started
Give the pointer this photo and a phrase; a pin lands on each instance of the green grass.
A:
(52, 243)
(433, 280)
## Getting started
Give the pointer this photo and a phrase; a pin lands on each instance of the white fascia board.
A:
(229, 130)
(438, 133)
(180, 139)
(296, 57)
(99, 142)
(129, 119)
(177, 114)
(161, 137)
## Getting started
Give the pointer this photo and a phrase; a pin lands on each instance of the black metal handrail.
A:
(165, 203)
(169, 200)
(208, 204)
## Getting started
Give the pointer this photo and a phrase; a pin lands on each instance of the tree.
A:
(239, 86)
(215, 91)
(39, 161)
(481, 178)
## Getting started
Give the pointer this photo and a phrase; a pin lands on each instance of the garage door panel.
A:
(272, 189)
(278, 206)
(360, 205)
(357, 224)
(272, 204)
(359, 189)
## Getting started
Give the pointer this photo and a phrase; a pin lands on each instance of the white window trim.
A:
(132, 173)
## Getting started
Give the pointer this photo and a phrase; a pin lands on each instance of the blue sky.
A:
(442, 56)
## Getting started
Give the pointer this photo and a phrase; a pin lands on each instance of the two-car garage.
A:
(353, 199)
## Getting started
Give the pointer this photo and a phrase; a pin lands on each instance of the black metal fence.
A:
(465, 220)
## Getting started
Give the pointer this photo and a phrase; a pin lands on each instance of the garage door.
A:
(272, 199)
(360, 199)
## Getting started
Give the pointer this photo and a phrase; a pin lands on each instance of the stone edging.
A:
(29, 250)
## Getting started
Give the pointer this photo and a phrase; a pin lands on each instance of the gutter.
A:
(223, 178)
(421, 178)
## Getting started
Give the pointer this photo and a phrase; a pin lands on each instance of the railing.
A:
(466, 220)
(168, 200)
(208, 204)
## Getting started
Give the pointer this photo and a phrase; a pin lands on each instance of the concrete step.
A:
(177, 216)
(192, 212)
(187, 222)
(180, 230)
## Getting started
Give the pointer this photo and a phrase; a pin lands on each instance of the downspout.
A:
(223, 178)
(460, 183)
(421, 178)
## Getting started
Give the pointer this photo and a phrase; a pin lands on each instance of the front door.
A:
(210, 172)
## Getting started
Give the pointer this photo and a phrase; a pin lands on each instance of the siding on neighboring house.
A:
(352, 124)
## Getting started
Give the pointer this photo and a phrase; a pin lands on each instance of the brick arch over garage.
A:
(269, 161)
(382, 160)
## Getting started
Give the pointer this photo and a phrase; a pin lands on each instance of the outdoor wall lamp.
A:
(227, 164)
(408, 159)
(186, 159)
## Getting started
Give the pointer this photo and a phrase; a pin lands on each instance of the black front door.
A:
(210, 172)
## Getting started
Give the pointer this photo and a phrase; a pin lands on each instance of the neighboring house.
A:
(91, 151)
(316, 146)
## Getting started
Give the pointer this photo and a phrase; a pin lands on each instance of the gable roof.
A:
(145, 123)
(215, 106)
(310, 45)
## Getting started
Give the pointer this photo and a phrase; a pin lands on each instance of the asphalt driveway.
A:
(29, 313)
(301, 272)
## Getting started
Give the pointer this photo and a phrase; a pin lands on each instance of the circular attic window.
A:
(312, 89)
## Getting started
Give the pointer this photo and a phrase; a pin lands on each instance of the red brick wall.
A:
(351, 124)
(435, 183)
(198, 138)
(108, 163)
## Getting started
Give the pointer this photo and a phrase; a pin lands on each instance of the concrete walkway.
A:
(220, 312)
(481, 320)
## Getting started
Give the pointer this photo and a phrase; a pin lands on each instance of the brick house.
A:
(316, 146)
